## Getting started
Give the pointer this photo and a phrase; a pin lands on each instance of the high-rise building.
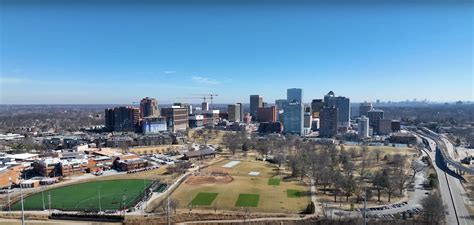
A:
(185, 105)
(270, 127)
(375, 115)
(122, 119)
(211, 117)
(126, 119)
(279, 108)
(385, 126)
(149, 107)
(396, 126)
(328, 121)
(267, 114)
(153, 125)
(364, 108)
(293, 117)
(233, 112)
(343, 106)
(256, 101)
(109, 119)
(204, 106)
(196, 121)
(190, 109)
(363, 127)
(241, 107)
(316, 106)
(176, 118)
(308, 119)
(294, 94)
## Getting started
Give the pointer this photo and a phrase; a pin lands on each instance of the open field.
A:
(113, 193)
(204, 198)
(293, 193)
(273, 181)
(243, 190)
(247, 200)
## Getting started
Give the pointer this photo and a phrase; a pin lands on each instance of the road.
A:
(450, 187)
(458, 191)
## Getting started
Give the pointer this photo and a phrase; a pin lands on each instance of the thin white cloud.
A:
(169, 72)
(204, 80)
(23, 81)
(13, 80)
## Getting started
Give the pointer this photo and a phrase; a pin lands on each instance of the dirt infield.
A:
(197, 180)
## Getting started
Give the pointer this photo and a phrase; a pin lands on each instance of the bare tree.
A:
(233, 142)
(390, 184)
(399, 175)
(416, 166)
(378, 182)
(263, 146)
(377, 153)
(338, 181)
(325, 178)
(348, 185)
(433, 209)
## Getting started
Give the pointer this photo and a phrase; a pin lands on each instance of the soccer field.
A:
(85, 196)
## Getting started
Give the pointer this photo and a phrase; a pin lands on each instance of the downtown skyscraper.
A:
(293, 112)
(343, 106)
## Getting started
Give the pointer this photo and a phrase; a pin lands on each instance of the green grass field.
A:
(86, 196)
(291, 193)
(247, 200)
(204, 198)
(273, 181)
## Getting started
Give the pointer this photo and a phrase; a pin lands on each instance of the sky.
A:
(118, 53)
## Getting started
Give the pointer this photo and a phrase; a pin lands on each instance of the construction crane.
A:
(209, 96)
(195, 97)
(212, 96)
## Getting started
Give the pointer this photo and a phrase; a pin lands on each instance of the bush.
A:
(310, 209)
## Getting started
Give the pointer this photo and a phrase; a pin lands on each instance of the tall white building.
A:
(234, 112)
(363, 127)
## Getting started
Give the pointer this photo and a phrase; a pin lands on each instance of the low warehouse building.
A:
(200, 154)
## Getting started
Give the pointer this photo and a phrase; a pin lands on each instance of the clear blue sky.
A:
(119, 53)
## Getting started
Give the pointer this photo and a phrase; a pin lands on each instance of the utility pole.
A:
(100, 206)
(365, 204)
(145, 196)
(123, 204)
(49, 201)
(42, 197)
(168, 207)
(22, 206)
(8, 195)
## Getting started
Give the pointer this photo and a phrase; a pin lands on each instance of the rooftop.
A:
(206, 151)
(22, 156)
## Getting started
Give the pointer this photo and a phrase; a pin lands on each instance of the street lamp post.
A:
(100, 206)
(22, 206)
(42, 196)
(8, 195)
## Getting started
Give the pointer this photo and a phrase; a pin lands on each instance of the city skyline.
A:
(169, 52)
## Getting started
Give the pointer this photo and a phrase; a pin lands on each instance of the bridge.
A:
(442, 148)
